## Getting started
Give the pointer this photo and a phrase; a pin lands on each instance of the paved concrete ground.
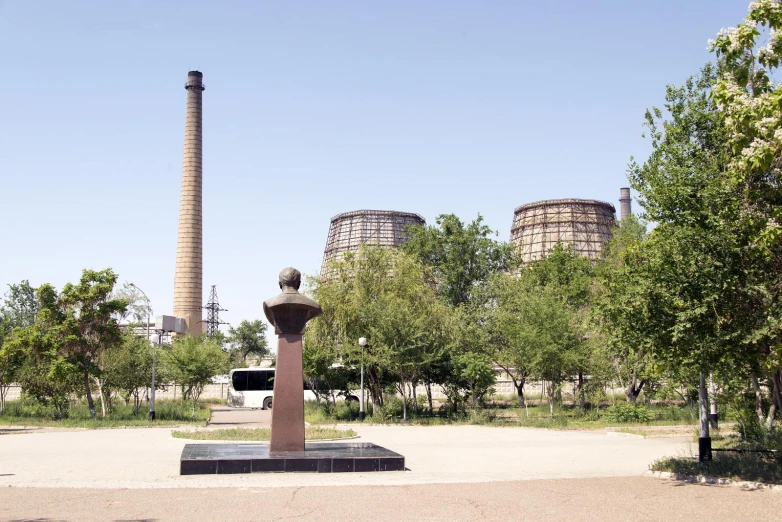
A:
(599, 499)
(149, 458)
(227, 417)
(455, 473)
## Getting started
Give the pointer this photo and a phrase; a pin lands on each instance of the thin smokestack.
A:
(624, 203)
(188, 284)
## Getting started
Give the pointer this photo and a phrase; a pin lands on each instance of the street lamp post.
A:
(362, 342)
(154, 353)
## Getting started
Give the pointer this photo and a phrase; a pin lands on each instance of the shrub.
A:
(628, 413)
(675, 413)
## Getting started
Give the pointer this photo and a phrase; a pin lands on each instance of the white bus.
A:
(254, 387)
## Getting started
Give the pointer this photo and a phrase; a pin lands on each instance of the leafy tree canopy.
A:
(461, 256)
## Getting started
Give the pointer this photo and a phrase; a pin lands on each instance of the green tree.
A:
(72, 329)
(249, 338)
(512, 328)
(569, 279)
(46, 374)
(19, 310)
(89, 326)
(127, 369)
(749, 100)
(708, 273)
(690, 267)
(385, 296)
(20, 306)
(192, 362)
(619, 313)
(461, 256)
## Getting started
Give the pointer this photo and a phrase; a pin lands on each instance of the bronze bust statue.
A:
(290, 311)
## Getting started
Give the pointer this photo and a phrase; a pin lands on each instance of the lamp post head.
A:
(362, 341)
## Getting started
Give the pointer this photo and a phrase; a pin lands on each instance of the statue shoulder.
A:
(285, 299)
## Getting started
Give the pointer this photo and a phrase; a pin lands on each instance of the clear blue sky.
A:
(313, 109)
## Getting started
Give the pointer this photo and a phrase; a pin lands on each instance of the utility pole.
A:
(704, 440)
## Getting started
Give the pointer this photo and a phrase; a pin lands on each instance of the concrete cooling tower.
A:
(384, 228)
(583, 223)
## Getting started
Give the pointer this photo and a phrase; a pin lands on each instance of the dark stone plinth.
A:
(288, 412)
(317, 457)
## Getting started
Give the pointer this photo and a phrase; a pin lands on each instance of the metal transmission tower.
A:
(213, 310)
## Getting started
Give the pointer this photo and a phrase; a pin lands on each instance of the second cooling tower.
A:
(583, 223)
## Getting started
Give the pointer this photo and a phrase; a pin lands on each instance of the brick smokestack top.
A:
(624, 203)
(188, 277)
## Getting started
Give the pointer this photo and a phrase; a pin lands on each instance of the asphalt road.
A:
(599, 499)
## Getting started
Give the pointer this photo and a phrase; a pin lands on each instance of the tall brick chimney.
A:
(624, 203)
(188, 277)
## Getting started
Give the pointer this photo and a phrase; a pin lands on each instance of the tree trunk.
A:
(414, 396)
(581, 398)
(632, 392)
(520, 392)
(758, 399)
(87, 390)
(776, 402)
(429, 396)
(404, 401)
(102, 400)
(778, 389)
(3, 392)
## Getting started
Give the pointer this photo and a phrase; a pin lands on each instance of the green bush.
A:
(628, 413)
(675, 413)
(27, 410)
(325, 412)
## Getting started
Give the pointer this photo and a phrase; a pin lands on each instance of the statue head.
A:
(290, 278)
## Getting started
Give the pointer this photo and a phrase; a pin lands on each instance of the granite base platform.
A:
(317, 457)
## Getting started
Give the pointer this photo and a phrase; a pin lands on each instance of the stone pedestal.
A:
(288, 403)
